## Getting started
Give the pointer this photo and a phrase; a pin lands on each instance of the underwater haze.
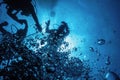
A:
(60, 40)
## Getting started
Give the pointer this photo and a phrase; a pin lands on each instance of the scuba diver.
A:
(25, 7)
(61, 32)
(56, 36)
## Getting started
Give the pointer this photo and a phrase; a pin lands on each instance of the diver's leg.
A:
(35, 18)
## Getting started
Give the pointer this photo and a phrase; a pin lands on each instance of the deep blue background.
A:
(89, 20)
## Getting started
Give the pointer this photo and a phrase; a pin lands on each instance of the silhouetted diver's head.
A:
(62, 27)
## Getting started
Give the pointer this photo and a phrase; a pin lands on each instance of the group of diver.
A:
(26, 8)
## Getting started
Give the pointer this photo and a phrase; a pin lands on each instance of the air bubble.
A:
(100, 41)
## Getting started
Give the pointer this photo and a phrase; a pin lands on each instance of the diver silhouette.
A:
(19, 35)
(56, 36)
(25, 7)
(61, 32)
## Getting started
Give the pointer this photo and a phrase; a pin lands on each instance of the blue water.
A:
(89, 21)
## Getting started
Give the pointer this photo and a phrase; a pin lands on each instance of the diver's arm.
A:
(47, 26)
